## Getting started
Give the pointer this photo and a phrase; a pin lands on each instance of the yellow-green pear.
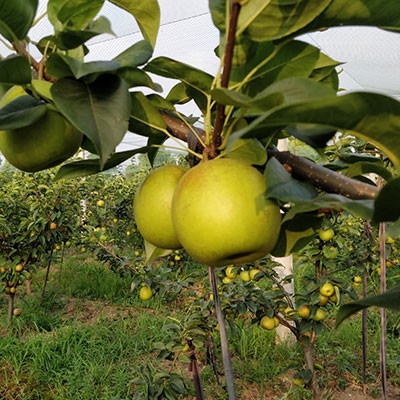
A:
(44, 144)
(221, 215)
(152, 206)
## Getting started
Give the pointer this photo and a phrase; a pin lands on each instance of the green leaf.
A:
(281, 186)
(295, 234)
(360, 12)
(147, 15)
(71, 39)
(160, 103)
(387, 203)
(21, 112)
(178, 94)
(72, 13)
(187, 74)
(83, 168)
(136, 77)
(393, 229)
(153, 142)
(263, 101)
(250, 151)
(271, 63)
(100, 109)
(280, 18)
(137, 54)
(373, 117)
(360, 168)
(16, 71)
(43, 88)
(153, 252)
(16, 18)
(146, 120)
(361, 208)
(61, 66)
(249, 12)
(389, 299)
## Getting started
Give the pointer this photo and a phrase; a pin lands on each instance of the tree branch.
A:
(324, 178)
(302, 168)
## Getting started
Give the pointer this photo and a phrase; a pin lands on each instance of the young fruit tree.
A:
(243, 198)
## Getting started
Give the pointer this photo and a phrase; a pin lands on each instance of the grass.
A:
(88, 337)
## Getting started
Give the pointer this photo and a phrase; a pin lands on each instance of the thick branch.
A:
(229, 49)
(324, 178)
(302, 168)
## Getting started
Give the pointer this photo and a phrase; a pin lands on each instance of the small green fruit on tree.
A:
(245, 276)
(267, 323)
(326, 235)
(145, 293)
(304, 311)
(319, 315)
(230, 272)
(327, 289)
(152, 206)
(44, 144)
(221, 216)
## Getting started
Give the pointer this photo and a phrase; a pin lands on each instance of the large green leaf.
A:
(15, 70)
(250, 151)
(361, 167)
(137, 54)
(280, 18)
(100, 109)
(16, 18)
(178, 94)
(21, 112)
(153, 252)
(152, 143)
(296, 234)
(389, 299)
(191, 76)
(358, 12)
(70, 39)
(61, 66)
(387, 203)
(285, 91)
(281, 186)
(137, 77)
(146, 120)
(72, 13)
(147, 15)
(83, 168)
(373, 117)
(272, 63)
(249, 12)
(361, 208)
(263, 101)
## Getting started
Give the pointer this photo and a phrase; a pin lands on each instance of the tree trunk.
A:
(10, 308)
(308, 357)
(28, 287)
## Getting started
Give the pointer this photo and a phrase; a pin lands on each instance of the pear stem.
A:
(226, 357)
